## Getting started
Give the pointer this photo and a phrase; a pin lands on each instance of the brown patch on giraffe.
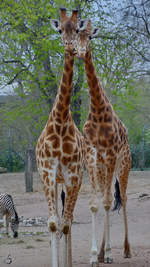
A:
(70, 78)
(52, 193)
(47, 181)
(65, 160)
(45, 174)
(58, 128)
(64, 130)
(78, 167)
(67, 148)
(75, 158)
(90, 132)
(56, 154)
(46, 164)
(116, 148)
(93, 109)
(52, 227)
(105, 130)
(88, 76)
(71, 62)
(94, 81)
(63, 90)
(65, 114)
(95, 119)
(73, 169)
(55, 140)
(101, 109)
(59, 107)
(50, 129)
(90, 68)
(68, 138)
(74, 180)
(65, 229)
(94, 125)
(67, 67)
(64, 78)
(47, 192)
(109, 109)
(103, 142)
(60, 98)
(92, 94)
(67, 100)
(111, 140)
(47, 150)
(68, 189)
(42, 155)
(58, 120)
(41, 140)
(107, 118)
(71, 130)
(100, 119)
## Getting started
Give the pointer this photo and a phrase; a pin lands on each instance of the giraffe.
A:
(107, 152)
(59, 149)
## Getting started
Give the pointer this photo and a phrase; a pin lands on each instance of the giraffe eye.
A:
(90, 37)
(77, 30)
(60, 31)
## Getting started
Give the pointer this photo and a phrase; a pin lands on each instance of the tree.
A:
(31, 65)
(136, 20)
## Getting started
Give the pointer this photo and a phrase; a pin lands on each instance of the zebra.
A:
(7, 209)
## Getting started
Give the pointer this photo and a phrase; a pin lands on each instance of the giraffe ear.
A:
(94, 34)
(55, 25)
(83, 24)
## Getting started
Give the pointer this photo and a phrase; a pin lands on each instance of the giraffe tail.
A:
(63, 200)
(117, 196)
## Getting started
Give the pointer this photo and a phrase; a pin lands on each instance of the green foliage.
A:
(31, 62)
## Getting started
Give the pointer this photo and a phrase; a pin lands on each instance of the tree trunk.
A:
(29, 170)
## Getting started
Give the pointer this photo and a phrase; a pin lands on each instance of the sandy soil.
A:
(32, 246)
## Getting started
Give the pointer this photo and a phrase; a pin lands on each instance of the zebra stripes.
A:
(7, 209)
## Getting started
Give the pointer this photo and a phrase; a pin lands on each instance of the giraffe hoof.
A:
(101, 256)
(108, 260)
(127, 254)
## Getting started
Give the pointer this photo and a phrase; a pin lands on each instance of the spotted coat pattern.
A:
(107, 151)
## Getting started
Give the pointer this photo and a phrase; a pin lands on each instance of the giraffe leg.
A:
(71, 197)
(69, 249)
(50, 188)
(107, 201)
(94, 250)
(107, 250)
(101, 174)
(93, 205)
(123, 179)
(102, 252)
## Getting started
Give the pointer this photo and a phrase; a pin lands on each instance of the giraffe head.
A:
(68, 28)
(85, 35)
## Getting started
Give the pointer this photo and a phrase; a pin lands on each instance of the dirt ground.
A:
(32, 249)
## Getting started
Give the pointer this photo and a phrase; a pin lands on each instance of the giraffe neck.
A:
(98, 97)
(62, 103)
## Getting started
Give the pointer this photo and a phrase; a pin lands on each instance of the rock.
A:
(3, 170)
